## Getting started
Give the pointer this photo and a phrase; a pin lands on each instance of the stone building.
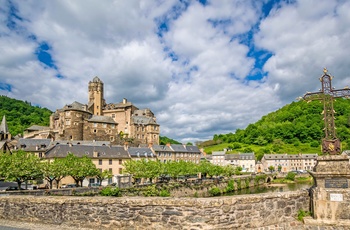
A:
(289, 162)
(244, 160)
(36, 146)
(99, 121)
(176, 152)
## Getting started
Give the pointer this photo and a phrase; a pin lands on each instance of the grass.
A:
(282, 181)
(303, 179)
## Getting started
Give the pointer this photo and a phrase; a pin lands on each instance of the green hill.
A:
(20, 115)
(163, 140)
(297, 127)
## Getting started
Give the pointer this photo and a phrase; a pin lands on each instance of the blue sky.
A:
(203, 67)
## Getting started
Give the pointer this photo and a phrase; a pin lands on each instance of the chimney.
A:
(125, 100)
(95, 154)
(150, 145)
(168, 144)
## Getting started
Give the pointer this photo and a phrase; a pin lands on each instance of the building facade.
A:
(176, 152)
(99, 121)
(289, 162)
(244, 160)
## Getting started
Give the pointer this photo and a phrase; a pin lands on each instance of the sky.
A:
(203, 67)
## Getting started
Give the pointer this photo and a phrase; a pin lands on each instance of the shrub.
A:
(214, 191)
(164, 193)
(239, 184)
(230, 186)
(314, 144)
(302, 214)
(151, 191)
(290, 176)
(108, 191)
(247, 182)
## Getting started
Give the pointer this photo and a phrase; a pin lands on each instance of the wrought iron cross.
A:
(330, 143)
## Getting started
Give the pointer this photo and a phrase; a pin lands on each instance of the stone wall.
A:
(232, 212)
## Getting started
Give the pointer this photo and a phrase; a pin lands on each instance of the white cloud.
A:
(304, 41)
(200, 90)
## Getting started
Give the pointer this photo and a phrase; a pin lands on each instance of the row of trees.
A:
(21, 167)
(175, 169)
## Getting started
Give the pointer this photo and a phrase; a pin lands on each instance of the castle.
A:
(98, 121)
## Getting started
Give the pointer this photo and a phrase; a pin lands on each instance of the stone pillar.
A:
(330, 196)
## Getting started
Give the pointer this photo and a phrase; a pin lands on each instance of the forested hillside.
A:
(163, 140)
(20, 115)
(297, 127)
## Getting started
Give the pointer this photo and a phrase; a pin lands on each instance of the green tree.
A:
(20, 167)
(79, 168)
(60, 170)
(279, 168)
(271, 168)
(290, 176)
(106, 174)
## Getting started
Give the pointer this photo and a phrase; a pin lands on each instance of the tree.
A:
(271, 168)
(106, 174)
(54, 171)
(290, 176)
(279, 168)
(20, 166)
(79, 168)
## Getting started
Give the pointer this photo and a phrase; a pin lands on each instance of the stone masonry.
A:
(232, 212)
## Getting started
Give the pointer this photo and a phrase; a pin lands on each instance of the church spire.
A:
(3, 127)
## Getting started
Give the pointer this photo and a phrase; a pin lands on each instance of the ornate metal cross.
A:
(330, 143)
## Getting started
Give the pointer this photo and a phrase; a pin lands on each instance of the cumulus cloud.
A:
(303, 42)
(203, 69)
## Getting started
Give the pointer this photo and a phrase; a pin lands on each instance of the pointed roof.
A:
(3, 127)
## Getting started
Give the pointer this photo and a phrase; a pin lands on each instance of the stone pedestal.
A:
(330, 196)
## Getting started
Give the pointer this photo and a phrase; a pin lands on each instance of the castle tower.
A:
(96, 100)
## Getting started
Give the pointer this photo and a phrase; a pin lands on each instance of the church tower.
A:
(4, 130)
(96, 100)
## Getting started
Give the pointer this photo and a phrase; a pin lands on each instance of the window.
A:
(67, 121)
(113, 115)
(120, 171)
(104, 125)
(109, 180)
(40, 155)
(95, 124)
(100, 170)
(110, 161)
(100, 161)
(110, 170)
(92, 180)
(120, 161)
